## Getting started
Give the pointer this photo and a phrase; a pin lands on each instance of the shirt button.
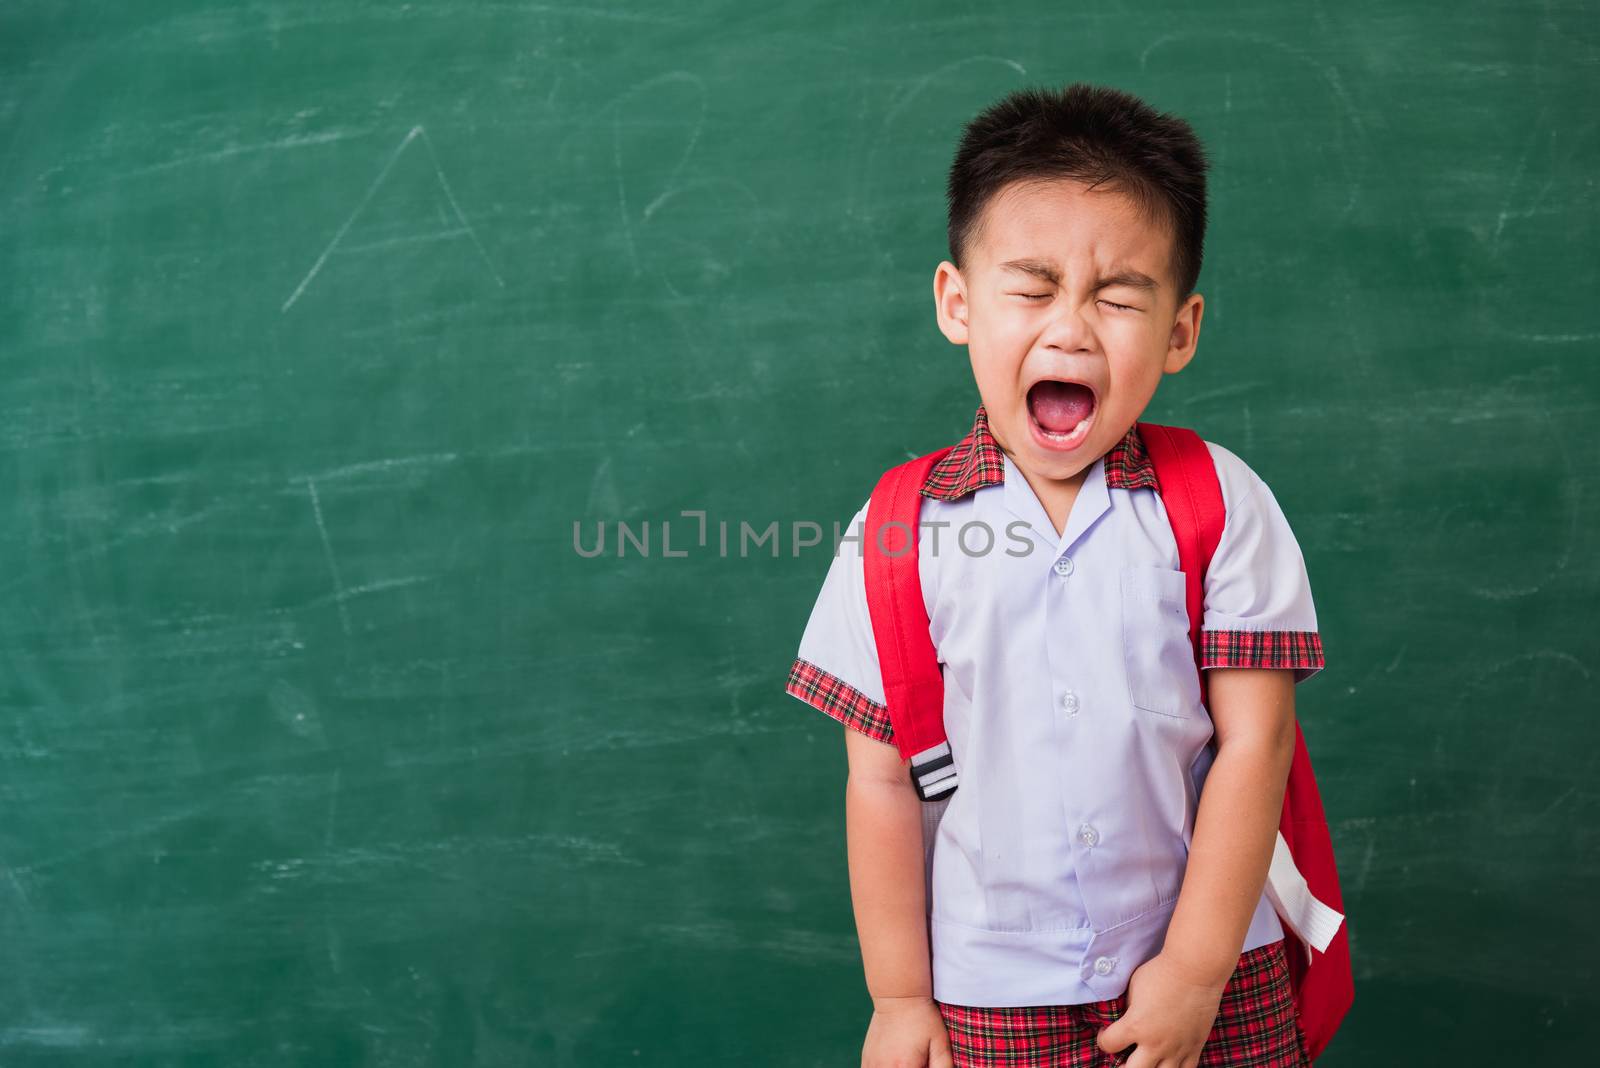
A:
(1089, 836)
(1064, 566)
(1103, 965)
(1069, 703)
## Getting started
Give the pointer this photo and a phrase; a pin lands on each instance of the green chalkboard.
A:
(324, 322)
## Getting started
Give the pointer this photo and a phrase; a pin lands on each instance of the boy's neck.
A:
(1055, 495)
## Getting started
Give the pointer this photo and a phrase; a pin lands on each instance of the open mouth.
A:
(1061, 412)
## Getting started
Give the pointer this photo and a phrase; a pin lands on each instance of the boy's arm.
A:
(1252, 710)
(883, 826)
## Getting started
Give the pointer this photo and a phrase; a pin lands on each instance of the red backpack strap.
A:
(1305, 882)
(913, 684)
(1192, 495)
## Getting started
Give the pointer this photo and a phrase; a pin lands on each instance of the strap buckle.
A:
(933, 772)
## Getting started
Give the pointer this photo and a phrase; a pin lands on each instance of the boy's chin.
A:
(1022, 439)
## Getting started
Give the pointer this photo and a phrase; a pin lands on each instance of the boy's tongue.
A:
(1060, 406)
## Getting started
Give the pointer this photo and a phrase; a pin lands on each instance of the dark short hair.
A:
(1088, 133)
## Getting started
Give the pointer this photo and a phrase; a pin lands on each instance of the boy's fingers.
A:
(940, 1056)
(1114, 1037)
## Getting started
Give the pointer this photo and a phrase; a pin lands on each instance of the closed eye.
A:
(1046, 296)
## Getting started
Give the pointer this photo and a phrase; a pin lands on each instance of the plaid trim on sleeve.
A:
(831, 694)
(1301, 649)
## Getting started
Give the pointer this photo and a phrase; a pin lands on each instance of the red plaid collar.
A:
(976, 461)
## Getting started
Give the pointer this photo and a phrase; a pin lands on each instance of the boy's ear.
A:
(1185, 335)
(950, 302)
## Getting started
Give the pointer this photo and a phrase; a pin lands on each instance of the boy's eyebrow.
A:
(1049, 272)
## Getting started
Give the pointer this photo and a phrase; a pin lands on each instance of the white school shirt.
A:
(1071, 705)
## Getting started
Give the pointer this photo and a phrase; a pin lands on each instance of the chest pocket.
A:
(1155, 642)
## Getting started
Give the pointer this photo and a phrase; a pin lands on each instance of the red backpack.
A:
(1303, 881)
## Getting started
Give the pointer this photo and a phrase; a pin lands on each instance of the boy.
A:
(1084, 901)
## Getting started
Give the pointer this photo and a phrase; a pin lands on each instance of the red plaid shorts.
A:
(1256, 1026)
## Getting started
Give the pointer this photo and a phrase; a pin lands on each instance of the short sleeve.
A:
(836, 669)
(1258, 608)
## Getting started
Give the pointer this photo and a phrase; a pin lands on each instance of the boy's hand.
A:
(1169, 1017)
(906, 1033)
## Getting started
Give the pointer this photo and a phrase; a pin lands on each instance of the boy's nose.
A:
(1069, 331)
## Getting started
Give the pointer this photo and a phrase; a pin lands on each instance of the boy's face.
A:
(1068, 338)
